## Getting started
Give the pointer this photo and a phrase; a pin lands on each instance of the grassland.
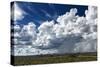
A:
(47, 59)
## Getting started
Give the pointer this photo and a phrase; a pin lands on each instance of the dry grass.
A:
(47, 59)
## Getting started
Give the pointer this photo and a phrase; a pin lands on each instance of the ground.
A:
(47, 59)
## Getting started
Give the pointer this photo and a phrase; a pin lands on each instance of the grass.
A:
(47, 59)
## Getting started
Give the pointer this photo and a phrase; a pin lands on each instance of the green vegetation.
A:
(46, 59)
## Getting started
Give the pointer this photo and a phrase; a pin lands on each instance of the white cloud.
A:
(29, 30)
(91, 13)
(44, 35)
(28, 33)
(28, 50)
(17, 12)
(71, 34)
(16, 28)
(15, 40)
(69, 16)
(15, 34)
(24, 35)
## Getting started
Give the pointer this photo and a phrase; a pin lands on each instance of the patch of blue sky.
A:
(38, 13)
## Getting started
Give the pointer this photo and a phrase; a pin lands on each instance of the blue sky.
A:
(39, 12)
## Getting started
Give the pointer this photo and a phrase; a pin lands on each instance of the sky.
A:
(39, 13)
(45, 28)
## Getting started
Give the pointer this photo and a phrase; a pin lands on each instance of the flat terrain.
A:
(47, 59)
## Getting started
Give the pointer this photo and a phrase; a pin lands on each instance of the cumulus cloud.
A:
(44, 35)
(91, 13)
(28, 33)
(24, 35)
(70, 34)
(69, 16)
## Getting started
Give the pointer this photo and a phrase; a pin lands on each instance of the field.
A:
(47, 59)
